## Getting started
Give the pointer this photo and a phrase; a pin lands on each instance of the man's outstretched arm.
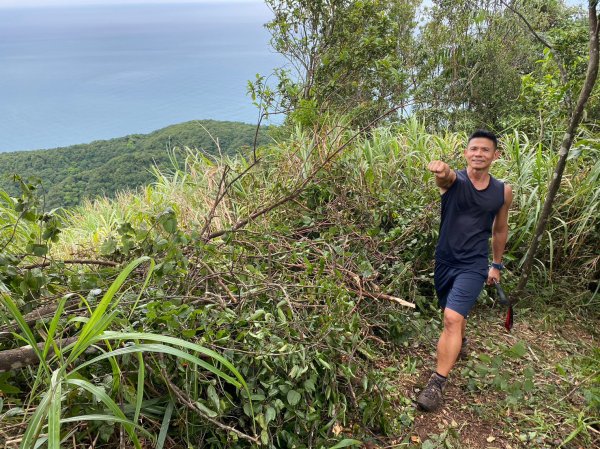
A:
(444, 175)
(500, 234)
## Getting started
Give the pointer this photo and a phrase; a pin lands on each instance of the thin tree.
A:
(567, 141)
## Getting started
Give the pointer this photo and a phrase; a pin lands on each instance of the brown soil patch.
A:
(464, 429)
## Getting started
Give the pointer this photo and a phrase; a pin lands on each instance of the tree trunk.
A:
(590, 81)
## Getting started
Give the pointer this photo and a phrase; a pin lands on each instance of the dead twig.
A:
(302, 185)
(220, 282)
(185, 400)
(386, 297)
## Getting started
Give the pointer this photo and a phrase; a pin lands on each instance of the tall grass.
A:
(61, 372)
(390, 165)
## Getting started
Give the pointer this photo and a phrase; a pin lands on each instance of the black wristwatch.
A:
(497, 266)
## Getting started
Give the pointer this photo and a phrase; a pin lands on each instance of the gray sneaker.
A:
(432, 396)
(464, 350)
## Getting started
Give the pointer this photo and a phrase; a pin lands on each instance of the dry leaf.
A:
(337, 429)
(415, 439)
(490, 439)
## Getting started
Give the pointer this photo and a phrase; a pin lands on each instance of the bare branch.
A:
(300, 188)
(105, 263)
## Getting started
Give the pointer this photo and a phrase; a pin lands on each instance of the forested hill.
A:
(104, 167)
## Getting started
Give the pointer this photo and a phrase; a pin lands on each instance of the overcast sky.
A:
(34, 3)
(22, 3)
(38, 3)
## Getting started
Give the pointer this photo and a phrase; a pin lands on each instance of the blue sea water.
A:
(76, 74)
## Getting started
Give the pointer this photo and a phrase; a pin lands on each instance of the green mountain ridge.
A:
(104, 167)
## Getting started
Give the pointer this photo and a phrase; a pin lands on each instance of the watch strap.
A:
(497, 266)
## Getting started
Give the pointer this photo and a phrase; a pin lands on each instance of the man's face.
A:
(480, 153)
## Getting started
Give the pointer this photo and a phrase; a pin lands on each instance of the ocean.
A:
(76, 74)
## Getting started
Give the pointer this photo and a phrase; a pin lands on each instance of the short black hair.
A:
(485, 134)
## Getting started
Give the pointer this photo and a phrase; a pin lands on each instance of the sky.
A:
(38, 3)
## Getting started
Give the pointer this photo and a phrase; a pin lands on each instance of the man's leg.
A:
(450, 341)
(463, 294)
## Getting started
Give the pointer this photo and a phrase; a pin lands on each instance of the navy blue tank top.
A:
(466, 226)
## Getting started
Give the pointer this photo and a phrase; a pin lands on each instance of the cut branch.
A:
(105, 263)
(43, 312)
(386, 297)
(13, 359)
(185, 400)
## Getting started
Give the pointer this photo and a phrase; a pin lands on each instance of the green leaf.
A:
(213, 396)
(429, 445)
(107, 418)
(170, 225)
(18, 317)
(345, 443)
(38, 249)
(139, 396)
(309, 384)
(270, 414)
(109, 246)
(264, 437)
(160, 349)
(518, 350)
(207, 411)
(177, 342)
(52, 330)
(96, 324)
(293, 397)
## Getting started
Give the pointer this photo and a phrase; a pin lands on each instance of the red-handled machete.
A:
(508, 322)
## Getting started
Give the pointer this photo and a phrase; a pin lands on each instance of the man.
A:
(474, 207)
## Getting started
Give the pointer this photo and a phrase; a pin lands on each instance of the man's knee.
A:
(453, 321)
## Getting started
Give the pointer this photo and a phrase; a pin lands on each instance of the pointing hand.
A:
(439, 168)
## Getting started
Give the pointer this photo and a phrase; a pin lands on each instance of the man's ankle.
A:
(441, 377)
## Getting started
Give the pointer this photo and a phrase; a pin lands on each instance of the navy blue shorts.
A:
(458, 288)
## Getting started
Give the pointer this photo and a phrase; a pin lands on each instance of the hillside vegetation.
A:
(104, 167)
(280, 316)
(283, 297)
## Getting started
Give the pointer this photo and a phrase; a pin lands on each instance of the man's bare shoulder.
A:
(508, 194)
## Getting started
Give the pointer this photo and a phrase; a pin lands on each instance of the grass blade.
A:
(140, 387)
(107, 418)
(112, 406)
(54, 412)
(96, 325)
(164, 427)
(161, 349)
(109, 335)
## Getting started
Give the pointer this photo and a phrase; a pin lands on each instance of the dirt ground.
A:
(542, 418)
